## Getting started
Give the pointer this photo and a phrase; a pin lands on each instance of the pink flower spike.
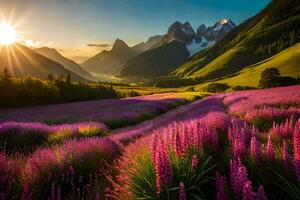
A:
(261, 195)
(248, 193)
(182, 194)
(285, 156)
(255, 150)
(296, 140)
(58, 193)
(220, 184)
(194, 163)
(270, 150)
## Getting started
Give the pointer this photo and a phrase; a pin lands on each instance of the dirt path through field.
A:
(127, 134)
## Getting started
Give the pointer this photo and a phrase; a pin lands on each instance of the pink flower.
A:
(270, 150)
(53, 191)
(296, 140)
(58, 193)
(238, 176)
(285, 129)
(182, 194)
(261, 195)
(248, 193)
(254, 131)
(194, 163)
(26, 195)
(162, 167)
(255, 149)
(220, 184)
(285, 156)
(239, 148)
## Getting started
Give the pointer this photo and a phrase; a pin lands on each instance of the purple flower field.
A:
(114, 113)
(221, 147)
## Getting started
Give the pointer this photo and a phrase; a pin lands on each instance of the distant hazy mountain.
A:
(110, 62)
(152, 42)
(22, 62)
(272, 30)
(156, 62)
(54, 55)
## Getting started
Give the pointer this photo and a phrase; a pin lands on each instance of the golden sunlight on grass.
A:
(8, 34)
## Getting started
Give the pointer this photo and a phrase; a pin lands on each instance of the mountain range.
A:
(274, 29)
(158, 56)
(168, 52)
(183, 56)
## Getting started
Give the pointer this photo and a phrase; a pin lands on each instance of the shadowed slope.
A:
(22, 62)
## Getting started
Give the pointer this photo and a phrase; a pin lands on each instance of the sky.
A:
(82, 28)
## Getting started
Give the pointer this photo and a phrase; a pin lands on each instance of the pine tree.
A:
(6, 77)
(50, 77)
(69, 79)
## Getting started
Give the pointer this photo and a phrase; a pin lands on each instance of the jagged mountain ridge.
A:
(174, 48)
(203, 38)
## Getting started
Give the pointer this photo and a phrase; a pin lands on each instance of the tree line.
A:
(29, 91)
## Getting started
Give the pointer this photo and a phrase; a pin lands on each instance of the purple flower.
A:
(239, 148)
(285, 156)
(261, 195)
(194, 163)
(255, 149)
(182, 193)
(162, 167)
(220, 184)
(248, 193)
(270, 149)
(296, 141)
(238, 176)
(285, 129)
(67, 159)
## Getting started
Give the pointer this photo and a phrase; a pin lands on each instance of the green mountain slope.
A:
(287, 61)
(269, 32)
(156, 62)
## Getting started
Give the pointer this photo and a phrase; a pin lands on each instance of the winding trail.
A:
(127, 134)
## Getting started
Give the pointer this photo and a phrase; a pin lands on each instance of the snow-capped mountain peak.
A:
(223, 23)
(195, 46)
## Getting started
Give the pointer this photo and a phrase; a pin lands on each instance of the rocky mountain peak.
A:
(180, 32)
(120, 44)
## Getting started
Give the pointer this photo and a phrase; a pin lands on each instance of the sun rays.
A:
(8, 34)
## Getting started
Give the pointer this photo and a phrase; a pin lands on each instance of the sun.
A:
(8, 34)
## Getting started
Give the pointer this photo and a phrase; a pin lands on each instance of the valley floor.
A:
(219, 147)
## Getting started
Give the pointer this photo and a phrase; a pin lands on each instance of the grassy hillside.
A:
(287, 61)
(275, 28)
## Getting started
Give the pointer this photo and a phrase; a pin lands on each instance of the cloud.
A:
(99, 45)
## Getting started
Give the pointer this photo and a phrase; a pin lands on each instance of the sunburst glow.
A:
(8, 34)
